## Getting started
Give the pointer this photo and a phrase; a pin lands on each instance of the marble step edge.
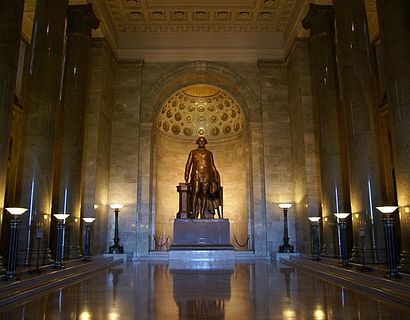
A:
(371, 288)
(373, 278)
(238, 255)
(23, 285)
(47, 272)
(45, 288)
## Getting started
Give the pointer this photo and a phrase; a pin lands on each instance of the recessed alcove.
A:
(214, 113)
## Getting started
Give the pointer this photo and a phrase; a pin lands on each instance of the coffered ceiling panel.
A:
(201, 29)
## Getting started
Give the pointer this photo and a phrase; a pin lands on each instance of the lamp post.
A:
(388, 224)
(285, 247)
(13, 242)
(58, 262)
(116, 248)
(315, 237)
(87, 239)
(341, 223)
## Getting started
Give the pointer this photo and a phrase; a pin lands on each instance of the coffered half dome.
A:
(201, 109)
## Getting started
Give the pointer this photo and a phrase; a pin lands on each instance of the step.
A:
(36, 285)
(394, 291)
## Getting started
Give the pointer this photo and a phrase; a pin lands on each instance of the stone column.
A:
(394, 24)
(359, 98)
(11, 15)
(80, 21)
(333, 159)
(42, 100)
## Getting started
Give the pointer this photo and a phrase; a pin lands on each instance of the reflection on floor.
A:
(254, 290)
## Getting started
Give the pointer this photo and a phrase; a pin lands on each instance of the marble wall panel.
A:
(97, 142)
(123, 186)
(277, 142)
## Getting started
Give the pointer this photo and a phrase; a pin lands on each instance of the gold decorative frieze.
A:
(200, 109)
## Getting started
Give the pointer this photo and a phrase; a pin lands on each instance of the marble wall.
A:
(277, 150)
(129, 162)
(97, 144)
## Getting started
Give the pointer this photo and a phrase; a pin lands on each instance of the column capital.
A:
(81, 19)
(319, 19)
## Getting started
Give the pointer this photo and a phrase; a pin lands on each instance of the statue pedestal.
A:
(201, 234)
(201, 239)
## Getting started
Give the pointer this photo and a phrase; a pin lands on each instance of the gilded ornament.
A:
(214, 131)
(178, 116)
(157, 14)
(176, 129)
(207, 109)
(202, 118)
(188, 131)
(201, 14)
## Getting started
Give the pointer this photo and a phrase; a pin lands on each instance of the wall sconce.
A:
(388, 224)
(58, 263)
(285, 247)
(13, 242)
(87, 239)
(116, 248)
(341, 223)
(315, 242)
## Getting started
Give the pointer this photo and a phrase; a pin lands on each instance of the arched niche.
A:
(208, 110)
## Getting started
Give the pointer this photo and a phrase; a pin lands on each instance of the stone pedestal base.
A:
(201, 234)
(287, 256)
(201, 244)
(116, 256)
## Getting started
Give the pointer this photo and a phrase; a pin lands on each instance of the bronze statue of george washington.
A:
(205, 180)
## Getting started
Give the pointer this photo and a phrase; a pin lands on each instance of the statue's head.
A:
(201, 141)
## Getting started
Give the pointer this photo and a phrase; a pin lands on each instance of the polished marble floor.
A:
(255, 290)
